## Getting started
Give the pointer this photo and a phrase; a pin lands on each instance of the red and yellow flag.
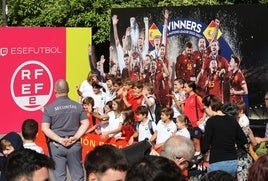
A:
(211, 31)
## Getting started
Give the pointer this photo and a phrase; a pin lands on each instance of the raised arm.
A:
(116, 37)
(164, 36)
(216, 30)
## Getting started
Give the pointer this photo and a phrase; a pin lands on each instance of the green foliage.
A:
(87, 13)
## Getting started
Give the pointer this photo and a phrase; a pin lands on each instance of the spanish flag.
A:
(153, 33)
(211, 32)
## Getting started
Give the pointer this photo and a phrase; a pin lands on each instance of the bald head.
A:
(178, 146)
(61, 86)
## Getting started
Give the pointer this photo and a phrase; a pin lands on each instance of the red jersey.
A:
(130, 93)
(185, 68)
(221, 62)
(199, 58)
(92, 120)
(161, 89)
(135, 76)
(214, 85)
(193, 103)
(135, 103)
(127, 131)
(237, 80)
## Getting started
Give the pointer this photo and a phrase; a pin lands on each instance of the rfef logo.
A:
(31, 85)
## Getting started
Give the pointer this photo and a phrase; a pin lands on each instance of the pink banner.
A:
(31, 59)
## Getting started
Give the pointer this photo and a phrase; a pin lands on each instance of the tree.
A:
(86, 13)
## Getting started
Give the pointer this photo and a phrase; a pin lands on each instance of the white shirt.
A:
(120, 58)
(109, 95)
(104, 127)
(184, 132)
(114, 122)
(144, 131)
(34, 147)
(99, 101)
(164, 131)
(86, 89)
(180, 97)
(243, 121)
(152, 108)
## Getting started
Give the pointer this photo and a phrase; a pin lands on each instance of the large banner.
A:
(151, 44)
(31, 60)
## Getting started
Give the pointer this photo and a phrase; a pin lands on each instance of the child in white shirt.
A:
(182, 123)
(165, 128)
(144, 127)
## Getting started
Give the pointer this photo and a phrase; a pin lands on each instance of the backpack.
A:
(150, 126)
(157, 110)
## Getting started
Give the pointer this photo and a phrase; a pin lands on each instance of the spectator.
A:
(64, 122)
(128, 125)
(106, 163)
(178, 97)
(183, 124)
(86, 89)
(135, 98)
(9, 143)
(29, 131)
(222, 135)
(217, 175)
(193, 109)
(259, 170)
(265, 139)
(99, 97)
(242, 117)
(145, 127)
(154, 168)
(164, 129)
(27, 164)
(244, 158)
(88, 104)
(149, 100)
(109, 87)
(179, 149)
(103, 124)
(115, 119)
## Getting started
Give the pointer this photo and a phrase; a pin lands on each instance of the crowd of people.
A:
(179, 142)
(226, 134)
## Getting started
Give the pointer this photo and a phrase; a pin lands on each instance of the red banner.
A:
(89, 142)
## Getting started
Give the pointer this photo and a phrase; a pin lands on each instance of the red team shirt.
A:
(237, 80)
(221, 61)
(214, 85)
(185, 67)
(191, 103)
